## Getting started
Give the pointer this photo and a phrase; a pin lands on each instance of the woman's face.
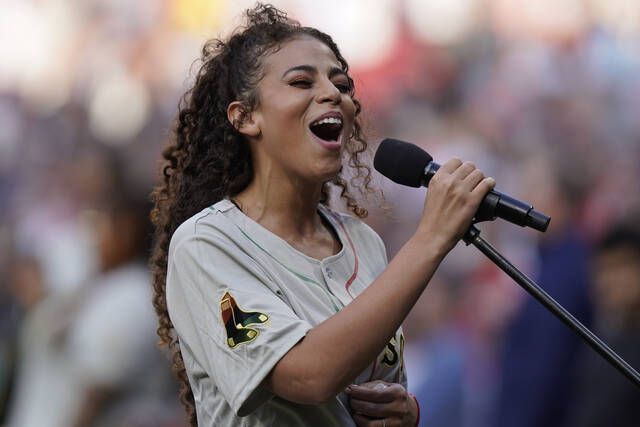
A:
(305, 112)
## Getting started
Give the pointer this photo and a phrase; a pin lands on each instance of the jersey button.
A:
(329, 273)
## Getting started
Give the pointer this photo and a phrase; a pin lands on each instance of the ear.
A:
(243, 121)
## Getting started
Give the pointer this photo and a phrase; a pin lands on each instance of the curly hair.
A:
(207, 158)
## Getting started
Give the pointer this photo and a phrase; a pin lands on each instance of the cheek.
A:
(283, 123)
(350, 111)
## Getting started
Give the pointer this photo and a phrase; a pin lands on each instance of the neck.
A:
(283, 205)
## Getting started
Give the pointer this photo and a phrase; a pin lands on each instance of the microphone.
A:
(410, 165)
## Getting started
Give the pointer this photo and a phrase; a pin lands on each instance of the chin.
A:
(327, 169)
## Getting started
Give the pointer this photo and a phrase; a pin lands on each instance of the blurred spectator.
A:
(603, 395)
(100, 340)
(24, 290)
(452, 360)
(452, 336)
(539, 352)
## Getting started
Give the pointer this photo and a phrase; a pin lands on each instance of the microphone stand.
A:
(472, 237)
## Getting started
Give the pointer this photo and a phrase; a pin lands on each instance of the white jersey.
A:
(240, 298)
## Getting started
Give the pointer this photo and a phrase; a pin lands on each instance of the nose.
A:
(328, 92)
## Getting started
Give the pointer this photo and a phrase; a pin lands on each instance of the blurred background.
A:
(543, 95)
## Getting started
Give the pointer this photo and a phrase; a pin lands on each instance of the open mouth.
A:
(327, 129)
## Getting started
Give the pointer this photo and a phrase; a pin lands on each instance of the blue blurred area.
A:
(540, 353)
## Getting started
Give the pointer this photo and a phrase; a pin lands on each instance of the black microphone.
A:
(408, 164)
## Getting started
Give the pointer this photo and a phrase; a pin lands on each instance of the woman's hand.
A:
(338, 353)
(454, 195)
(381, 404)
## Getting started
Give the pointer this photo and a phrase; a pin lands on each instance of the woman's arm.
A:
(333, 353)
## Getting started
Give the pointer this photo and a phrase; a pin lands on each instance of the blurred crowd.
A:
(544, 96)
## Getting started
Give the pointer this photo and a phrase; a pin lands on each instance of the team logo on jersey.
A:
(393, 352)
(236, 321)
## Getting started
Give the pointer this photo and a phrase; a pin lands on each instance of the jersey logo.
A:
(393, 352)
(236, 321)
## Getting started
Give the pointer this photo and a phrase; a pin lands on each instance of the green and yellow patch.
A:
(236, 321)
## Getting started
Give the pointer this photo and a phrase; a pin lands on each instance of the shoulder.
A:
(209, 226)
(210, 244)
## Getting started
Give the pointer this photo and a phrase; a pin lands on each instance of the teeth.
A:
(327, 120)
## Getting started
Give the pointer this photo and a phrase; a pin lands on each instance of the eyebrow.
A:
(313, 70)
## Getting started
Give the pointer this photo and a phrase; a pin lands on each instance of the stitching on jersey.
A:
(298, 275)
(351, 279)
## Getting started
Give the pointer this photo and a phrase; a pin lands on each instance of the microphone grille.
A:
(401, 162)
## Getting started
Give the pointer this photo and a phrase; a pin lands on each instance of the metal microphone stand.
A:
(472, 237)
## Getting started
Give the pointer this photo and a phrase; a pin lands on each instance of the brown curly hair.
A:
(208, 159)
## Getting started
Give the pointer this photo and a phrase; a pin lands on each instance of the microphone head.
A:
(401, 162)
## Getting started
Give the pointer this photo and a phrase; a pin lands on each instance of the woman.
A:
(281, 311)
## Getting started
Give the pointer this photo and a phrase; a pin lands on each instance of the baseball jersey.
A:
(240, 298)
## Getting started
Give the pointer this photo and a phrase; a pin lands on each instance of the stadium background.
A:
(543, 95)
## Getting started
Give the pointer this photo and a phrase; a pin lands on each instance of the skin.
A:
(617, 276)
(290, 169)
(289, 166)
(376, 400)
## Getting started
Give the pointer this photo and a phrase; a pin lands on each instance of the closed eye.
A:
(343, 87)
(306, 84)
(301, 83)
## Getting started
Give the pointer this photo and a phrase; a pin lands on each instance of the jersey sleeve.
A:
(225, 311)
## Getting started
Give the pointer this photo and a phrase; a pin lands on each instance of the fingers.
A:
(362, 421)
(464, 170)
(451, 165)
(375, 401)
(483, 187)
(455, 193)
(375, 392)
(376, 410)
(473, 178)
(463, 175)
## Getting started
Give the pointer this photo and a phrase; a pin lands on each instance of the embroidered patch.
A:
(236, 321)
(393, 352)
